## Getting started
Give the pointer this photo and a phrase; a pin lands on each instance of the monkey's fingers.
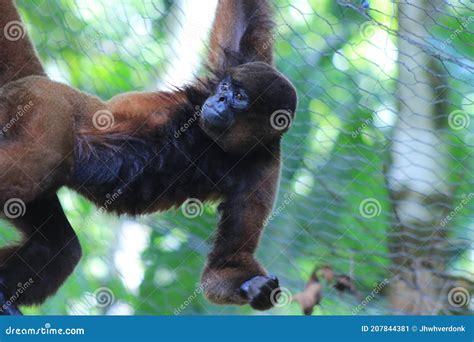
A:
(262, 292)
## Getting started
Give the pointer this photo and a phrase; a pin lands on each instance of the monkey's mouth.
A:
(215, 119)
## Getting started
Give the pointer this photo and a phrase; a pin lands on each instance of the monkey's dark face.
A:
(220, 110)
(249, 106)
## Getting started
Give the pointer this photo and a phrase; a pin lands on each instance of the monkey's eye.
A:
(240, 100)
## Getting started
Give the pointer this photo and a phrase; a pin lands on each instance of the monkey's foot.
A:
(7, 308)
(262, 292)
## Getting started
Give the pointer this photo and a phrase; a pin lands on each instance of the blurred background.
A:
(377, 181)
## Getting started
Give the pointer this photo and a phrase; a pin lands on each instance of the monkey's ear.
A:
(241, 33)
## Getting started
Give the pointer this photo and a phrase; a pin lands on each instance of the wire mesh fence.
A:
(377, 179)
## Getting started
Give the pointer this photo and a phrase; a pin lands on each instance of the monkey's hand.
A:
(240, 279)
(262, 292)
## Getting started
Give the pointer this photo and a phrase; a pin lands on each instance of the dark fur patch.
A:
(109, 162)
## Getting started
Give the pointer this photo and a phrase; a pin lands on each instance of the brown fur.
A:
(18, 58)
(231, 261)
(54, 142)
(244, 26)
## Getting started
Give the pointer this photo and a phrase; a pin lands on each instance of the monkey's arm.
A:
(241, 33)
(232, 275)
(17, 55)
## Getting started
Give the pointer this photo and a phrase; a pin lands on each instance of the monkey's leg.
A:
(232, 274)
(50, 250)
(17, 55)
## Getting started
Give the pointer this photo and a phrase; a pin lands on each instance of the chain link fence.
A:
(377, 184)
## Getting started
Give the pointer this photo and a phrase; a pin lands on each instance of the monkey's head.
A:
(253, 103)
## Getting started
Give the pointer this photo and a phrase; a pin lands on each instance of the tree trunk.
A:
(418, 175)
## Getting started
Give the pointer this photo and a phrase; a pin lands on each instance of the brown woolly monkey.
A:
(134, 149)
